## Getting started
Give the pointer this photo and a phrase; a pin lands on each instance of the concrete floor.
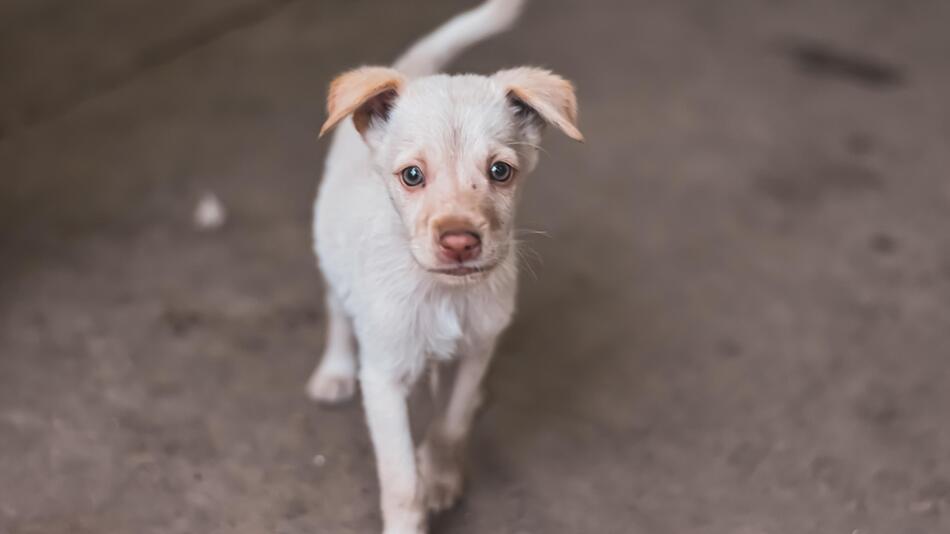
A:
(741, 323)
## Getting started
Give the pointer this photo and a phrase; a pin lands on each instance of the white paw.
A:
(331, 388)
(409, 519)
(440, 466)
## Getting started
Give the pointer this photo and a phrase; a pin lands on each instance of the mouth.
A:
(462, 270)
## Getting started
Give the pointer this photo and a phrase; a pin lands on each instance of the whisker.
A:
(529, 231)
(527, 264)
(522, 251)
(534, 254)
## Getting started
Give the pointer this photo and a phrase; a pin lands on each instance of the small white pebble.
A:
(209, 214)
(319, 460)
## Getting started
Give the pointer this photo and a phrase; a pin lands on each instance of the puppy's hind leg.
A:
(334, 380)
(442, 453)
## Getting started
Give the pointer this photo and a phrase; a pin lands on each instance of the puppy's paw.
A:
(406, 515)
(441, 470)
(331, 388)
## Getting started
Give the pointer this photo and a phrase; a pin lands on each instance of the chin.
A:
(460, 279)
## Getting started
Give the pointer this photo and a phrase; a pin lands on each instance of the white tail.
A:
(434, 51)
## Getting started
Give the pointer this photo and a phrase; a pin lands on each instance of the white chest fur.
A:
(418, 318)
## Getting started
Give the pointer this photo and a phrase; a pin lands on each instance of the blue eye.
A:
(500, 171)
(412, 176)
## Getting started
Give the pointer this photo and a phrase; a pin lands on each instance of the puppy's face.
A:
(453, 152)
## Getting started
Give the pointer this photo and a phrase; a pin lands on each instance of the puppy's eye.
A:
(500, 171)
(412, 176)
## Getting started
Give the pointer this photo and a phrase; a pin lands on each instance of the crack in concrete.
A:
(149, 58)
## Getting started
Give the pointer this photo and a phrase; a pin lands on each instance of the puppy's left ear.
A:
(546, 94)
(368, 93)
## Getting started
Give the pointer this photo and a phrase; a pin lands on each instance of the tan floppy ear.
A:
(366, 93)
(551, 96)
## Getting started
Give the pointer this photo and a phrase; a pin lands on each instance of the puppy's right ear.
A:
(368, 93)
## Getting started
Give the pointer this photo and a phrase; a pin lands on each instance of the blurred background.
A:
(738, 323)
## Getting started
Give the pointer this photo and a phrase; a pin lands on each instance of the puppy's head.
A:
(453, 151)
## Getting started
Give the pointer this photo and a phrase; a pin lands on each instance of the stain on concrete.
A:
(860, 143)
(878, 405)
(747, 456)
(809, 181)
(824, 61)
(883, 243)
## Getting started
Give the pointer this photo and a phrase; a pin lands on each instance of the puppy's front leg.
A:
(442, 453)
(387, 413)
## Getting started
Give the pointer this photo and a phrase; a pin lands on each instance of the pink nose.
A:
(460, 245)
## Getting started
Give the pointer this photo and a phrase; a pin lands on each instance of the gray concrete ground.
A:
(739, 323)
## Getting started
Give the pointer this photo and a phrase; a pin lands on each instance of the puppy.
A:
(414, 231)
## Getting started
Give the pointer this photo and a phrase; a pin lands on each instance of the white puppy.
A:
(414, 234)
